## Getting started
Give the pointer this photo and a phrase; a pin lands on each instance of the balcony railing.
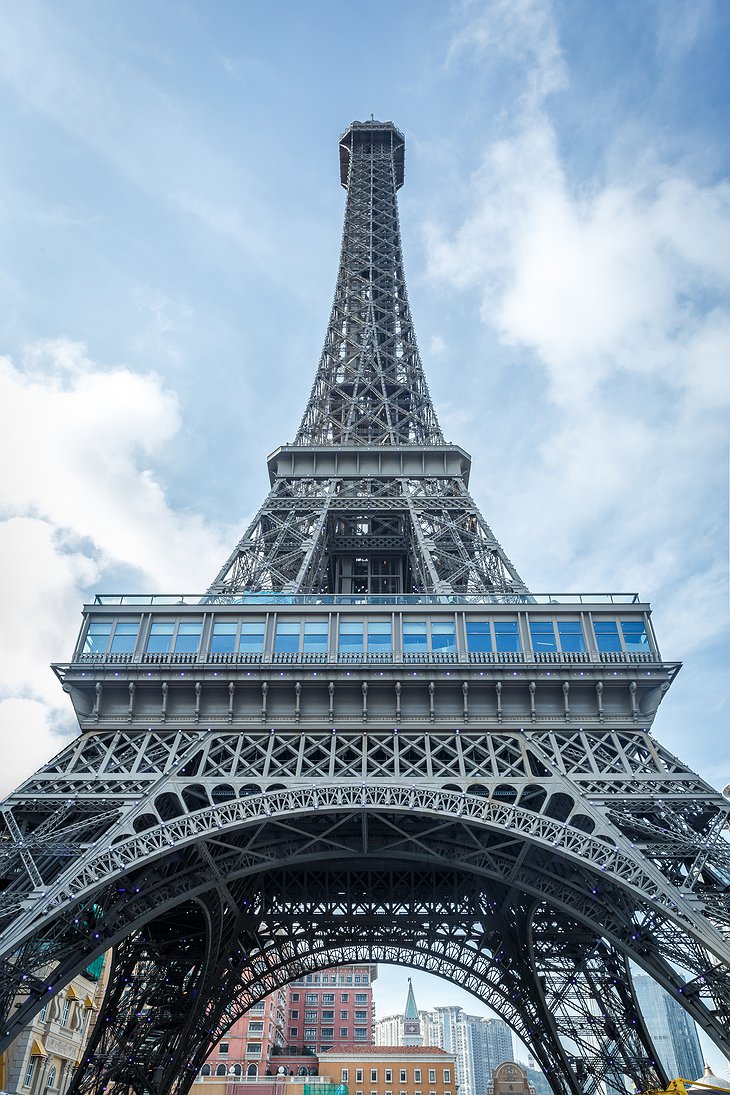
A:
(268, 658)
(267, 597)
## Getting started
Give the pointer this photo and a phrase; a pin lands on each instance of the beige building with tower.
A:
(42, 1059)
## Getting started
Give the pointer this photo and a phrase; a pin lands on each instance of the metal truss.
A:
(291, 540)
(508, 824)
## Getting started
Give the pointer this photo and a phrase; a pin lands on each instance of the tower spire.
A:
(412, 1034)
(370, 387)
(369, 500)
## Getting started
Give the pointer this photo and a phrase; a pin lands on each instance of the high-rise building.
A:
(672, 1030)
(479, 1043)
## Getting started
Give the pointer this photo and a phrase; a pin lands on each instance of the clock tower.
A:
(412, 1035)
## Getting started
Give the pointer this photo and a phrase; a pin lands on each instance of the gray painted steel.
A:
(367, 740)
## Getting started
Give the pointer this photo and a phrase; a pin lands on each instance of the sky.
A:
(170, 217)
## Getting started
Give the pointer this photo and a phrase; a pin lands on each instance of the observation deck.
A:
(323, 661)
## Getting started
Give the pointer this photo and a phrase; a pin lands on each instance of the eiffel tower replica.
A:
(366, 741)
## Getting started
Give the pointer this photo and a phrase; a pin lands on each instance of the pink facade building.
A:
(289, 1029)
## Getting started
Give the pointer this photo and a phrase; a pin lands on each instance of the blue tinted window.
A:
(635, 636)
(571, 636)
(223, 639)
(542, 634)
(380, 639)
(187, 639)
(506, 636)
(97, 637)
(351, 636)
(125, 637)
(315, 636)
(607, 639)
(251, 639)
(286, 640)
(160, 640)
(443, 636)
(414, 635)
(478, 636)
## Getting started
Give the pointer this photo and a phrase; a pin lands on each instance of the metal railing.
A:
(275, 598)
(335, 658)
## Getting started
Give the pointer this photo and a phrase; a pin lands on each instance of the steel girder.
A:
(287, 545)
(128, 879)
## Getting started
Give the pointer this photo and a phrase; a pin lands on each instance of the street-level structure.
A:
(367, 741)
(391, 1070)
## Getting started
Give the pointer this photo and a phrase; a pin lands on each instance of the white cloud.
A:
(615, 288)
(80, 501)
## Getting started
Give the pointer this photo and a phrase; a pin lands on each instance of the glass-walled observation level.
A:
(286, 629)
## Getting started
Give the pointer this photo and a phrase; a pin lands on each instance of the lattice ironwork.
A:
(227, 822)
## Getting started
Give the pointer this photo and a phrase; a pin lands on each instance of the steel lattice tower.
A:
(367, 740)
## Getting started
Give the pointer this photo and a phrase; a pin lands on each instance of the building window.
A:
(293, 1032)
(295, 997)
(542, 635)
(30, 1069)
(571, 636)
(310, 1016)
(506, 637)
(358, 1076)
(432, 1076)
(310, 1033)
(403, 1076)
(344, 1014)
(221, 1070)
(361, 1034)
(294, 1013)
(111, 637)
(635, 637)
(345, 1075)
(373, 1075)
(361, 1016)
(389, 1075)
(64, 1013)
(311, 998)
(345, 997)
(237, 636)
(361, 998)
(256, 1027)
(607, 639)
(328, 1015)
(416, 1075)
(205, 1070)
(344, 1032)
(328, 1032)
(223, 1049)
(51, 1082)
(253, 1047)
(328, 997)
(447, 1076)
(44, 1013)
(174, 637)
(478, 636)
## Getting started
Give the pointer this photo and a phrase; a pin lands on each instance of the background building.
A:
(287, 1030)
(479, 1045)
(391, 1070)
(510, 1078)
(672, 1030)
(42, 1059)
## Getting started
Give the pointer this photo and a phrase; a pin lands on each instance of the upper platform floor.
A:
(287, 628)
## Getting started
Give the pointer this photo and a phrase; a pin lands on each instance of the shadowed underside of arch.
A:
(536, 918)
